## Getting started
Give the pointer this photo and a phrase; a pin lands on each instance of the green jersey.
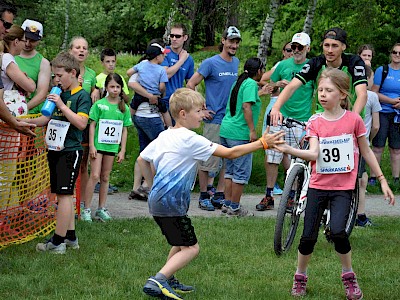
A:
(79, 102)
(104, 112)
(89, 80)
(235, 127)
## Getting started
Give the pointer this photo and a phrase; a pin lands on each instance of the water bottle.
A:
(48, 107)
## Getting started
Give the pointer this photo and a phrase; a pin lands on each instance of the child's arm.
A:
(162, 89)
(134, 85)
(272, 140)
(147, 171)
(375, 125)
(92, 148)
(311, 154)
(78, 121)
(167, 119)
(40, 122)
(248, 116)
(121, 154)
(370, 159)
(183, 56)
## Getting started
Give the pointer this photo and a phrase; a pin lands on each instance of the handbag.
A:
(15, 100)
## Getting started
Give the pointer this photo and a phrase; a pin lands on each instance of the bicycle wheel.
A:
(286, 219)
(353, 210)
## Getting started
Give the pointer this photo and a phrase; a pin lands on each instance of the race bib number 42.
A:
(110, 131)
(55, 134)
(336, 154)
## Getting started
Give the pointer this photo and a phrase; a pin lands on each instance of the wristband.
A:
(380, 177)
(264, 143)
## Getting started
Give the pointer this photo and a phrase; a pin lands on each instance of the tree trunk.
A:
(267, 30)
(232, 14)
(209, 13)
(312, 4)
(66, 26)
(169, 24)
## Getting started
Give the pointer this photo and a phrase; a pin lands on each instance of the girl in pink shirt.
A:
(336, 137)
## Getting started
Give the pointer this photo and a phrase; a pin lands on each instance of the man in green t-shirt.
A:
(34, 65)
(297, 107)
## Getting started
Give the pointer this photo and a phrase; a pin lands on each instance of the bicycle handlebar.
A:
(287, 122)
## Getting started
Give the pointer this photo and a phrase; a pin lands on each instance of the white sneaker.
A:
(86, 215)
(51, 248)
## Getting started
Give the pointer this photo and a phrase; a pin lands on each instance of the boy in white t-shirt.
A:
(175, 154)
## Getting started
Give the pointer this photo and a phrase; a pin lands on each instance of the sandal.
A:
(137, 195)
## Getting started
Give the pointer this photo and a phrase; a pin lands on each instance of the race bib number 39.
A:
(55, 134)
(336, 154)
(110, 131)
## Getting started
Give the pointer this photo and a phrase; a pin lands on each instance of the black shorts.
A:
(106, 153)
(177, 230)
(64, 170)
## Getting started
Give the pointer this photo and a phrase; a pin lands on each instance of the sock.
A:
(160, 276)
(373, 178)
(219, 195)
(362, 217)
(209, 187)
(235, 205)
(396, 179)
(269, 192)
(70, 235)
(291, 194)
(204, 195)
(347, 270)
(57, 239)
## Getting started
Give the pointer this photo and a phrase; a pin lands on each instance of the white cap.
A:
(301, 38)
(33, 29)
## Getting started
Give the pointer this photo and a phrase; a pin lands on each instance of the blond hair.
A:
(67, 61)
(186, 99)
(15, 32)
(341, 81)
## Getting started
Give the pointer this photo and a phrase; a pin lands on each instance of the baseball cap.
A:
(33, 29)
(336, 33)
(155, 49)
(302, 38)
(232, 33)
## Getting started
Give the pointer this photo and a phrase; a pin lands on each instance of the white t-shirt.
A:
(175, 154)
(373, 105)
(6, 60)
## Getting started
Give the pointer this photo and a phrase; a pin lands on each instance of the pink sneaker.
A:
(353, 291)
(299, 285)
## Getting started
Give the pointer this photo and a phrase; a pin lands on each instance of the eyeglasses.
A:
(178, 36)
(7, 25)
(288, 50)
(299, 47)
(396, 52)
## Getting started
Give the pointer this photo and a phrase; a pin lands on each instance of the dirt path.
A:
(120, 207)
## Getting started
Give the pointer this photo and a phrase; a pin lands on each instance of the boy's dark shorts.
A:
(139, 99)
(177, 230)
(64, 170)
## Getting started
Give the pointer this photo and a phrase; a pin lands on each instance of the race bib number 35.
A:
(55, 134)
(110, 131)
(336, 154)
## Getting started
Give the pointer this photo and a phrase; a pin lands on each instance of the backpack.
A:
(385, 72)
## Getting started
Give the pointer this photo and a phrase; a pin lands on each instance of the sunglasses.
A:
(396, 52)
(288, 50)
(7, 25)
(299, 47)
(178, 36)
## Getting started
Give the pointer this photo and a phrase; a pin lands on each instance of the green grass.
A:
(236, 261)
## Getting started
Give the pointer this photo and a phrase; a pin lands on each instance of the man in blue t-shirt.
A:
(179, 64)
(219, 73)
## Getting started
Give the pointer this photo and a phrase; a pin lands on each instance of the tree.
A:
(312, 5)
(267, 30)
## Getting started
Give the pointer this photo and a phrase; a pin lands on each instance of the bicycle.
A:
(294, 199)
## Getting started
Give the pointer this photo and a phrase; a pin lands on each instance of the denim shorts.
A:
(238, 169)
(148, 129)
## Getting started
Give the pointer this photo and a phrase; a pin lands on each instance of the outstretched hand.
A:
(274, 139)
(387, 192)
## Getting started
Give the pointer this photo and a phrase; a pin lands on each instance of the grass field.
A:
(236, 261)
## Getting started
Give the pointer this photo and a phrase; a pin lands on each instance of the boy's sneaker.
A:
(277, 190)
(353, 291)
(238, 212)
(205, 204)
(51, 248)
(179, 287)
(366, 223)
(86, 215)
(372, 181)
(72, 244)
(103, 215)
(158, 288)
(299, 285)
(224, 208)
(218, 200)
(266, 203)
(113, 188)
